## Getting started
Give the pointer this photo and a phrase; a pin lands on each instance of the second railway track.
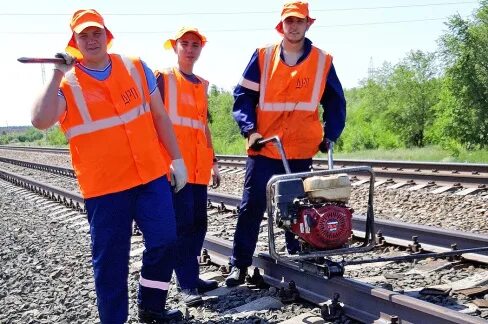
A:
(455, 175)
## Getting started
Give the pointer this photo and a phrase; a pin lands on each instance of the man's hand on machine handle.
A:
(253, 141)
(324, 145)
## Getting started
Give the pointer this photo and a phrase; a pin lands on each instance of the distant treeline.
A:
(30, 135)
(13, 129)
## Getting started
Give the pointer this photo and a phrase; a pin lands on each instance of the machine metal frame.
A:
(369, 238)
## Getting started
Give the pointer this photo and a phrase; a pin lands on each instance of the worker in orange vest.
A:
(111, 112)
(279, 94)
(185, 97)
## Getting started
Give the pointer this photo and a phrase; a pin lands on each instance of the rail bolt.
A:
(380, 239)
(453, 258)
(221, 207)
(205, 257)
(224, 269)
(415, 247)
(332, 311)
(290, 294)
(256, 279)
(394, 320)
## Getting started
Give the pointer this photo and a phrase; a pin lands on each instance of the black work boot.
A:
(236, 277)
(154, 317)
(190, 297)
(206, 285)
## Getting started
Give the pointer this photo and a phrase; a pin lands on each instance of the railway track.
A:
(472, 177)
(373, 303)
(447, 176)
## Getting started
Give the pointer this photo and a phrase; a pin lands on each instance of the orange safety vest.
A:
(289, 97)
(114, 145)
(187, 107)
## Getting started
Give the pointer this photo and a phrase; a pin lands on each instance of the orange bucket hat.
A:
(82, 19)
(171, 43)
(294, 9)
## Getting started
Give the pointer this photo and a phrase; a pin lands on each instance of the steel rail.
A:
(415, 165)
(410, 174)
(68, 198)
(43, 167)
(60, 150)
(362, 301)
(432, 239)
(444, 177)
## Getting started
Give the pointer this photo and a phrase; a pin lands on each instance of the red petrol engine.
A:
(315, 210)
(324, 227)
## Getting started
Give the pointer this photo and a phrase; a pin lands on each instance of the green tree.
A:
(413, 91)
(55, 136)
(366, 108)
(225, 133)
(465, 51)
(33, 134)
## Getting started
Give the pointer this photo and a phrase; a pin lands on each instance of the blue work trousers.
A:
(259, 170)
(190, 205)
(110, 217)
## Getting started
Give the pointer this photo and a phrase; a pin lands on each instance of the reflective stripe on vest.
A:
(290, 106)
(249, 84)
(89, 125)
(173, 106)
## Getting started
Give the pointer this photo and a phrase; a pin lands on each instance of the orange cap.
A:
(171, 43)
(294, 9)
(82, 19)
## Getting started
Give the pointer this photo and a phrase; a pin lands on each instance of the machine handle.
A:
(276, 141)
(330, 159)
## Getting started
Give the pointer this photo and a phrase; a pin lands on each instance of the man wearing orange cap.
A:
(111, 112)
(185, 97)
(279, 94)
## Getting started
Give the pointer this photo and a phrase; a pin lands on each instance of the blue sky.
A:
(355, 32)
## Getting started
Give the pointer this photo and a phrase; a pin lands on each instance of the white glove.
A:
(178, 173)
(252, 140)
(216, 178)
(69, 61)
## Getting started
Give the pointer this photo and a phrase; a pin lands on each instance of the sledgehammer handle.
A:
(53, 60)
